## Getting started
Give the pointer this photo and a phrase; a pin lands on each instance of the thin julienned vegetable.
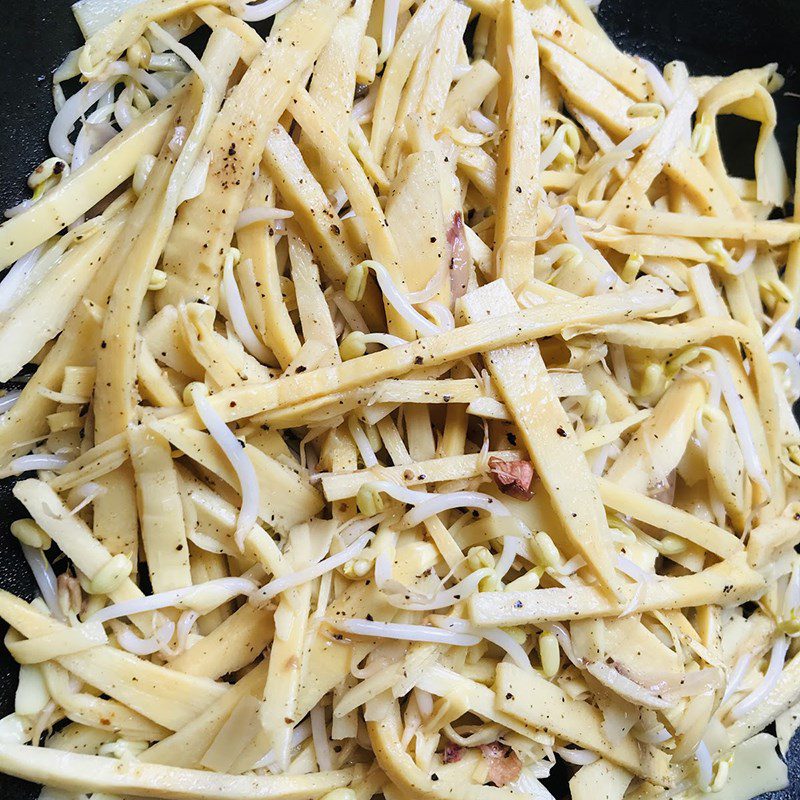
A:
(412, 413)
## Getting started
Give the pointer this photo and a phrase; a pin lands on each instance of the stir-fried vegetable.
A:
(409, 417)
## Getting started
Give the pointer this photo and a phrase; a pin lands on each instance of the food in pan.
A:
(410, 412)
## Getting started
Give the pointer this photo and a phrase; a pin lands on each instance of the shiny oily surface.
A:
(670, 30)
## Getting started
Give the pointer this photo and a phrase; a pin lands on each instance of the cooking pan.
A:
(711, 36)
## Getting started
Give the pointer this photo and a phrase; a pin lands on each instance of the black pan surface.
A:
(711, 36)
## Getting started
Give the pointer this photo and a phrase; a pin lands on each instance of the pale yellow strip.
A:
(728, 583)
(543, 320)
